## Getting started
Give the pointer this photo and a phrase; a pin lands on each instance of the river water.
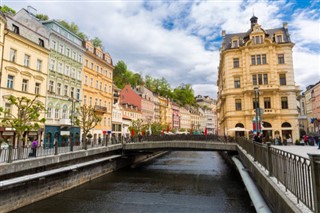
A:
(179, 182)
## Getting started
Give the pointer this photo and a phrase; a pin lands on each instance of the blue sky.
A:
(180, 40)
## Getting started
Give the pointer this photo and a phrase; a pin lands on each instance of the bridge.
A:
(179, 146)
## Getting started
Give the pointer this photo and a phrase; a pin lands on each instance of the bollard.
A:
(315, 174)
(269, 158)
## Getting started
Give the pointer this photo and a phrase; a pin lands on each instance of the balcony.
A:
(99, 108)
(65, 121)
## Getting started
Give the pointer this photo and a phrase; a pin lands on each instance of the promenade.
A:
(300, 150)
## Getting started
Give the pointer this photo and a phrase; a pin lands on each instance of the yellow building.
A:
(24, 65)
(256, 70)
(97, 88)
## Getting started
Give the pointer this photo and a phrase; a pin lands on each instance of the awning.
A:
(238, 129)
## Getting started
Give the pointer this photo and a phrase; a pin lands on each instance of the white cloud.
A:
(133, 31)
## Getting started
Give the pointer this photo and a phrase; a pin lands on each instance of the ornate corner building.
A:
(256, 68)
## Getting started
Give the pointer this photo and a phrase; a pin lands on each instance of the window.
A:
(80, 58)
(26, 60)
(73, 72)
(51, 86)
(105, 88)
(78, 94)
(41, 42)
(72, 92)
(260, 79)
(258, 59)
(236, 63)
(279, 39)
(96, 101)
(86, 62)
(280, 58)
(7, 110)
(60, 65)
(66, 90)
(15, 29)
(91, 82)
(85, 79)
(24, 85)
(237, 82)
(56, 113)
(79, 75)
(13, 55)
(284, 102)
(267, 103)
(58, 88)
(39, 65)
(37, 88)
(97, 84)
(238, 104)
(54, 45)
(265, 78)
(10, 81)
(97, 68)
(68, 52)
(64, 112)
(52, 64)
(257, 39)
(61, 48)
(49, 112)
(105, 121)
(66, 72)
(109, 121)
(100, 85)
(283, 80)
(90, 102)
(74, 55)
(85, 100)
(235, 43)
(92, 66)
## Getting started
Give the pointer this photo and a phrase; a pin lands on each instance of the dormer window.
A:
(279, 38)
(15, 28)
(235, 43)
(257, 39)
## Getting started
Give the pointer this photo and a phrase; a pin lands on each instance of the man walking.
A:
(34, 147)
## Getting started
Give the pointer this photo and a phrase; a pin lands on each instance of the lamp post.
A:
(257, 106)
(73, 101)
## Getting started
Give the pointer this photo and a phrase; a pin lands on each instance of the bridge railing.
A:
(294, 172)
(182, 137)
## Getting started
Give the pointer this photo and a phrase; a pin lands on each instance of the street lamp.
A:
(73, 101)
(257, 106)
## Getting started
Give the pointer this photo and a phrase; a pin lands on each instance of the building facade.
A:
(64, 84)
(97, 90)
(256, 72)
(24, 64)
(147, 104)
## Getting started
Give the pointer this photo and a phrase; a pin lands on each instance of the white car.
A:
(4, 145)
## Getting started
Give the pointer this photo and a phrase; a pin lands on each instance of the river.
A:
(179, 182)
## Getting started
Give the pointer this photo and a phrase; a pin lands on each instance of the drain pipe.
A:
(259, 204)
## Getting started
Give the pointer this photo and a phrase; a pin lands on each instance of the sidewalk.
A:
(300, 150)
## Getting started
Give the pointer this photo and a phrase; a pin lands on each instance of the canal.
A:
(178, 182)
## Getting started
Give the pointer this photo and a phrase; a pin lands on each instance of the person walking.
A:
(34, 147)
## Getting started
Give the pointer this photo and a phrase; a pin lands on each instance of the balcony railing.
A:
(99, 108)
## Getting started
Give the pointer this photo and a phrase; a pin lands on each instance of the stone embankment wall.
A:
(17, 195)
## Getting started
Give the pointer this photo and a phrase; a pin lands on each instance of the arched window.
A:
(286, 124)
(240, 125)
(266, 125)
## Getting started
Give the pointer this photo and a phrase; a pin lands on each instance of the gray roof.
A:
(244, 37)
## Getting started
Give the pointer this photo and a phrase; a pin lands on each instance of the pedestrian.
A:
(306, 139)
(34, 147)
(284, 141)
(289, 140)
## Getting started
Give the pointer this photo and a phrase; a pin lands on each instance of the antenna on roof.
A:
(252, 11)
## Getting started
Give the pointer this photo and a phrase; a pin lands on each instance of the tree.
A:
(184, 95)
(26, 119)
(86, 119)
(42, 17)
(119, 74)
(137, 126)
(96, 42)
(6, 9)
(73, 28)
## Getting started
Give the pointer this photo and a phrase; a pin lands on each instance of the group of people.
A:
(310, 140)
(276, 141)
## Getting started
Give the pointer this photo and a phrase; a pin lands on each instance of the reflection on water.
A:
(177, 182)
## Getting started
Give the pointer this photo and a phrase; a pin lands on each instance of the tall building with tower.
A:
(256, 87)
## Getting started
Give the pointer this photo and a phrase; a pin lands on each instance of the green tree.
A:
(157, 128)
(137, 126)
(26, 119)
(96, 42)
(73, 28)
(6, 9)
(119, 74)
(42, 17)
(184, 95)
(86, 119)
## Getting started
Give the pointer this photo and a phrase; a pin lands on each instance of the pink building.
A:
(147, 104)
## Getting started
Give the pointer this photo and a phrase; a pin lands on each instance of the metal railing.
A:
(292, 171)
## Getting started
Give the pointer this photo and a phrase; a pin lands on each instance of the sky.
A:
(180, 40)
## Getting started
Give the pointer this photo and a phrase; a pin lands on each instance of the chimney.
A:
(285, 25)
(223, 33)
